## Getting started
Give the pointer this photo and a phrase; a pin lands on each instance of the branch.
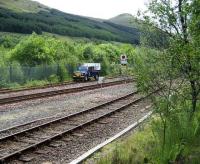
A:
(183, 20)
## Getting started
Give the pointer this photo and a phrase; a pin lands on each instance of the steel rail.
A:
(71, 130)
(58, 119)
(8, 90)
(14, 99)
(97, 148)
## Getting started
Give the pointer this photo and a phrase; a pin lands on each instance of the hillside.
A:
(23, 6)
(125, 20)
(155, 38)
(25, 17)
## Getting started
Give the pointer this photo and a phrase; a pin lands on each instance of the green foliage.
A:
(153, 38)
(33, 83)
(125, 19)
(61, 73)
(53, 79)
(175, 69)
(16, 73)
(182, 143)
(8, 41)
(136, 148)
(180, 133)
(147, 68)
(175, 131)
(33, 51)
(36, 57)
(23, 6)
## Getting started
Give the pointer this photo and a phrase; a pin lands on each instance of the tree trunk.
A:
(164, 136)
(194, 96)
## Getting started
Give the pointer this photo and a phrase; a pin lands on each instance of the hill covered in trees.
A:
(23, 6)
(25, 17)
(126, 19)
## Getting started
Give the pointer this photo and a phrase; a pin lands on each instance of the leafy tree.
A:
(61, 72)
(176, 69)
(33, 51)
(87, 54)
(175, 21)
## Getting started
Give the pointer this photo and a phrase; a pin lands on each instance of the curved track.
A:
(20, 139)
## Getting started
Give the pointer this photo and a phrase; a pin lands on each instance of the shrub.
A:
(53, 79)
(61, 73)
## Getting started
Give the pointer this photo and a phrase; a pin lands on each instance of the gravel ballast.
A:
(27, 111)
(70, 147)
(41, 90)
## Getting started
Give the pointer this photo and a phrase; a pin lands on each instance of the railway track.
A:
(14, 99)
(23, 138)
(7, 90)
(4, 90)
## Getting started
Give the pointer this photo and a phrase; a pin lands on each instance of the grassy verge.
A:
(142, 146)
(40, 83)
(33, 83)
(132, 148)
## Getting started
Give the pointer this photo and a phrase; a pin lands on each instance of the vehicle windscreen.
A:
(82, 68)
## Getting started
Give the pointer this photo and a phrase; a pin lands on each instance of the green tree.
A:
(176, 70)
(34, 50)
(61, 73)
(174, 19)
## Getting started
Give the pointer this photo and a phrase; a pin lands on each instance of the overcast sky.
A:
(96, 8)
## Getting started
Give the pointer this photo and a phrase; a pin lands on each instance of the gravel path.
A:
(70, 147)
(20, 93)
(14, 114)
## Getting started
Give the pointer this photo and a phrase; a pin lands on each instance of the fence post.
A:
(57, 71)
(10, 72)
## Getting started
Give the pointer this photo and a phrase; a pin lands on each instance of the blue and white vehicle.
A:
(87, 71)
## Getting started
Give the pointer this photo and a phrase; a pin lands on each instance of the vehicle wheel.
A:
(96, 77)
(85, 78)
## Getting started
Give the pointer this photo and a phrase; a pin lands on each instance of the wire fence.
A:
(22, 74)
(56, 72)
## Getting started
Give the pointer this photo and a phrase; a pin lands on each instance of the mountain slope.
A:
(23, 6)
(155, 38)
(125, 20)
(36, 17)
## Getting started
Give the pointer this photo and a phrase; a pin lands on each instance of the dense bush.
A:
(176, 128)
(43, 57)
(35, 50)
(61, 73)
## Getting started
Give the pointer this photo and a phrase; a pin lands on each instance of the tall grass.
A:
(134, 149)
(182, 143)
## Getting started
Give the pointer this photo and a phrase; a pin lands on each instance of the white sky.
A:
(96, 8)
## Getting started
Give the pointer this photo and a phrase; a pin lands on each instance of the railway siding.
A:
(40, 134)
(31, 96)
(52, 87)
(17, 141)
(69, 147)
(15, 114)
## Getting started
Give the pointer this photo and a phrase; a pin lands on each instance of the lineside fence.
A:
(52, 73)
(22, 74)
